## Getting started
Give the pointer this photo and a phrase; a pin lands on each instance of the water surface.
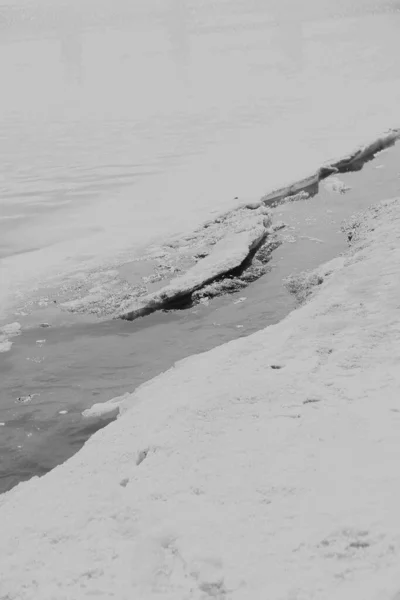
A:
(67, 368)
(122, 121)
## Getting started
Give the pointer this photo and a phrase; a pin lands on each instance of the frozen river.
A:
(122, 121)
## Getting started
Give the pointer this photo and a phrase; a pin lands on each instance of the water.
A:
(122, 121)
(80, 364)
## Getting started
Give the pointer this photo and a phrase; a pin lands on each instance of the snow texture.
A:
(199, 257)
(265, 468)
(202, 257)
(227, 255)
(101, 409)
(354, 161)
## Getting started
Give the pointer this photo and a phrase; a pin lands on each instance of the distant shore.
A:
(265, 466)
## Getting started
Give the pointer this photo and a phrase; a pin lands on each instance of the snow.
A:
(227, 254)
(5, 345)
(225, 241)
(101, 409)
(267, 467)
(229, 100)
(11, 329)
(7, 331)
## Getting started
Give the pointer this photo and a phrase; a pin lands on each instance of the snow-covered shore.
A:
(267, 467)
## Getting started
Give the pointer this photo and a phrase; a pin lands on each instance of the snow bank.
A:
(228, 254)
(354, 161)
(226, 241)
(101, 409)
(265, 468)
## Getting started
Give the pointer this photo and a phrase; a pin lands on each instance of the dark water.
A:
(70, 367)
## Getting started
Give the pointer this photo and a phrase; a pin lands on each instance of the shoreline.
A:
(53, 375)
(120, 288)
(284, 443)
(213, 270)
